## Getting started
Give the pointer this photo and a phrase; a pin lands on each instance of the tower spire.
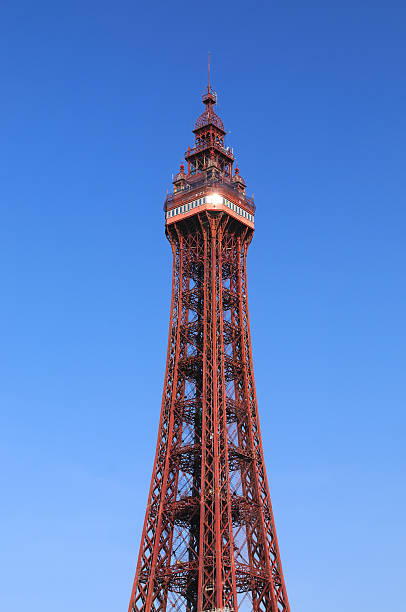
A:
(209, 95)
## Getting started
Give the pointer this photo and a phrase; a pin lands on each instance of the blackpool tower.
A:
(209, 542)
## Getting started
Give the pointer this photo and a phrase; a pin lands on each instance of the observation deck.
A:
(218, 194)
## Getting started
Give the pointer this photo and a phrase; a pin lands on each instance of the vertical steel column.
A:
(279, 593)
(143, 590)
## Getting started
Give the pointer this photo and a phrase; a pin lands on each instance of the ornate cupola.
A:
(209, 142)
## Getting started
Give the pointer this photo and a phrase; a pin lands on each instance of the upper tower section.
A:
(208, 182)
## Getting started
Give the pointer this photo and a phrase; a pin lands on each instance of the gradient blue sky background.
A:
(97, 106)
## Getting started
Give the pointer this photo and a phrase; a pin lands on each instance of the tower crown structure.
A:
(209, 542)
(208, 183)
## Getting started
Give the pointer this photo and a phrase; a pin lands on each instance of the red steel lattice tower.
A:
(209, 541)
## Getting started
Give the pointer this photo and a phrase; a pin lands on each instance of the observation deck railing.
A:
(206, 145)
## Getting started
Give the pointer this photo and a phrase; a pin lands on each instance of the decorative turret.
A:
(239, 181)
(179, 180)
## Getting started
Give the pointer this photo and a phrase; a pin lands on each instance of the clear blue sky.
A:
(98, 100)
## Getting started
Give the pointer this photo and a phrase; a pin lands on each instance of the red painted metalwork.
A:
(209, 541)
